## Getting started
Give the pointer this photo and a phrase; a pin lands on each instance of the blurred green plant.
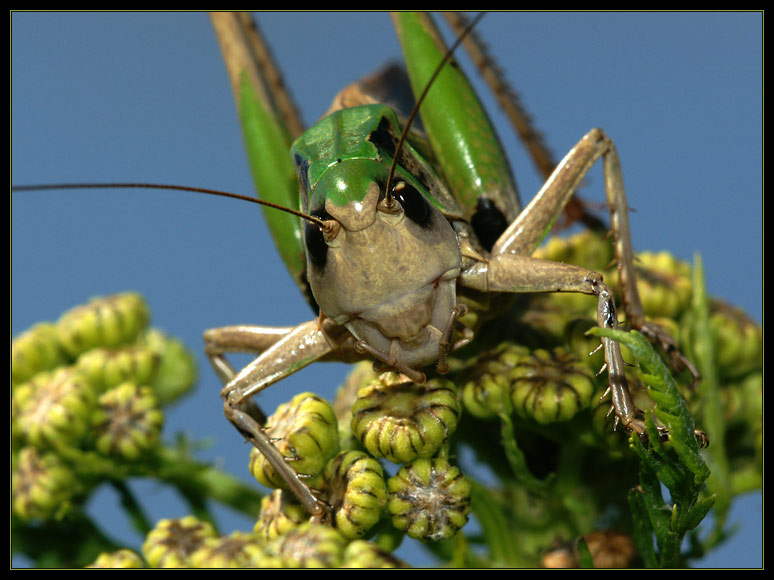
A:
(547, 479)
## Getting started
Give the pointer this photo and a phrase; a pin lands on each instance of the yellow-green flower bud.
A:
(306, 546)
(54, 408)
(363, 554)
(486, 393)
(34, 351)
(361, 374)
(583, 345)
(172, 541)
(128, 421)
(41, 484)
(738, 340)
(547, 315)
(664, 284)
(429, 499)
(110, 321)
(551, 386)
(177, 370)
(123, 558)
(304, 431)
(237, 550)
(356, 492)
(279, 513)
(400, 420)
(587, 249)
(109, 367)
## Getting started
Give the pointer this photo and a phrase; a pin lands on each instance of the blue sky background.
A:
(144, 97)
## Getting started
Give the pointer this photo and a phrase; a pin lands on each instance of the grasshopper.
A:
(403, 233)
(170, 226)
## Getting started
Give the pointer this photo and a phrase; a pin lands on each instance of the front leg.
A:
(282, 351)
(529, 229)
(524, 274)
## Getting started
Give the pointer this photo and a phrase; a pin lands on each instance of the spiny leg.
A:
(282, 351)
(524, 274)
(243, 48)
(503, 273)
(520, 119)
(619, 225)
(528, 230)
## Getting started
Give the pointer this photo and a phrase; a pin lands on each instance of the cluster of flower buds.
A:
(87, 397)
(192, 543)
(389, 418)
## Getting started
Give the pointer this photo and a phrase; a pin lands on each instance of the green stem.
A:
(197, 481)
(515, 456)
(132, 506)
(719, 482)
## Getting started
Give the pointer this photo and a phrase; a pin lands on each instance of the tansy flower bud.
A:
(109, 367)
(128, 421)
(34, 351)
(551, 386)
(356, 491)
(41, 484)
(54, 408)
(306, 546)
(237, 550)
(400, 420)
(119, 559)
(429, 499)
(305, 431)
(111, 321)
(172, 541)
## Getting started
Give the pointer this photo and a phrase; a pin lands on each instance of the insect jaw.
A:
(408, 330)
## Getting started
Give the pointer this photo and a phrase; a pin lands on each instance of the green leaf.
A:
(671, 406)
(584, 555)
(642, 530)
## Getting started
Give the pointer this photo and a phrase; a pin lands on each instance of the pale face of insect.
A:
(387, 273)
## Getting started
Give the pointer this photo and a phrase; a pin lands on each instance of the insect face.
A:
(367, 274)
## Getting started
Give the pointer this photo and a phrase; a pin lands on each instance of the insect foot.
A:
(280, 512)
(305, 433)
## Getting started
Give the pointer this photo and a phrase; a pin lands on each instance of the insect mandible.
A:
(170, 226)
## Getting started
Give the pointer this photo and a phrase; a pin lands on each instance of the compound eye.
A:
(414, 203)
(316, 246)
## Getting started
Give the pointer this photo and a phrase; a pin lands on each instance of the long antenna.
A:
(446, 58)
(53, 186)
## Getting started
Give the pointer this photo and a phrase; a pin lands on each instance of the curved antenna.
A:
(54, 186)
(446, 58)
